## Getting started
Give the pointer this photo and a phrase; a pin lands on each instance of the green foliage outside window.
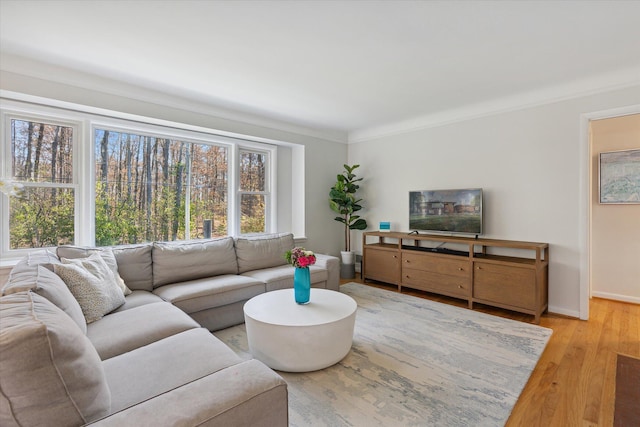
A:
(41, 217)
(147, 188)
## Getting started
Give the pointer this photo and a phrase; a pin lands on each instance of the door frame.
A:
(584, 222)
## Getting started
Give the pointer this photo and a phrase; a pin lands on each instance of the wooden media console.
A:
(502, 273)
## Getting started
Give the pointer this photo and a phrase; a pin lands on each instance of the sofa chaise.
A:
(67, 360)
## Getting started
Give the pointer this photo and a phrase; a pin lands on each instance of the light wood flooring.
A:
(574, 381)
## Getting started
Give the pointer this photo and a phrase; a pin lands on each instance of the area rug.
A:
(627, 409)
(415, 362)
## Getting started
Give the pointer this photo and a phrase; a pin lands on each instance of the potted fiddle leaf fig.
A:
(343, 201)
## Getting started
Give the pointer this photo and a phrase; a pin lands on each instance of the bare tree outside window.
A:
(157, 189)
(253, 191)
(42, 160)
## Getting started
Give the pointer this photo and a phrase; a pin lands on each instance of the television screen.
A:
(446, 211)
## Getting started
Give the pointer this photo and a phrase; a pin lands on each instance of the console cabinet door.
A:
(382, 265)
(505, 284)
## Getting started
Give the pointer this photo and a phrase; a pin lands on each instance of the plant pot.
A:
(348, 265)
(348, 257)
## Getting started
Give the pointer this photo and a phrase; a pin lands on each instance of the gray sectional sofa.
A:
(152, 360)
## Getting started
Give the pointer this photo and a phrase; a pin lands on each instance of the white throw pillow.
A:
(110, 259)
(73, 252)
(93, 284)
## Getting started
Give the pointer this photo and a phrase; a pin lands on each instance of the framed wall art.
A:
(620, 177)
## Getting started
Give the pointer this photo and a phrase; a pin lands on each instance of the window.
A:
(253, 192)
(151, 188)
(42, 213)
(86, 179)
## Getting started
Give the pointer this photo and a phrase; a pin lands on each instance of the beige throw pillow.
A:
(110, 259)
(93, 284)
(73, 252)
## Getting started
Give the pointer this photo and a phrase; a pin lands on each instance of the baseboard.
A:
(616, 297)
(564, 311)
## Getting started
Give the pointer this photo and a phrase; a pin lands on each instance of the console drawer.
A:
(435, 282)
(504, 284)
(436, 264)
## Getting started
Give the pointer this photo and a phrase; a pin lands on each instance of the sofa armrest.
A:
(246, 394)
(332, 265)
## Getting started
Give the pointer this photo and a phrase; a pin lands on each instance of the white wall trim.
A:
(584, 199)
(590, 86)
(298, 191)
(564, 312)
(112, 114)
(616, 297)
(584, 217)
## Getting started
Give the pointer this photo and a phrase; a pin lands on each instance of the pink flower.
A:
(301, 258)
(306, 261)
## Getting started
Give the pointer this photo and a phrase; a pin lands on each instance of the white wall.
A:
(322, 156)
(527, 161)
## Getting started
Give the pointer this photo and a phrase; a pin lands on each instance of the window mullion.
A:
(187, 196)
(233, 206)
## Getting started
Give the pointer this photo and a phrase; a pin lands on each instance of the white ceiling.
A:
(359, 68)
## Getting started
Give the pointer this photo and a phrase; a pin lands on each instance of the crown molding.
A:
(618, 80)
(171, 98)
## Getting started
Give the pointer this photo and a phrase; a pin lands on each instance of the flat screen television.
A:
(456, 211)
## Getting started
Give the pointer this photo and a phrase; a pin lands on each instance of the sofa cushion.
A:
(282, 277)
(221, 317)
(181, 261)
(92, 284)
(263, 251)
(138, 298)
(73, 252)
(171, 362)
(22, 274)
(42, 257)
(202, 294)
(246, 394)
(48, 368)
(135, 265)
(123, 331)
(44, 282)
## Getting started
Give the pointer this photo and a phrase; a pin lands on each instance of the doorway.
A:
(614, 227)
(587, 187)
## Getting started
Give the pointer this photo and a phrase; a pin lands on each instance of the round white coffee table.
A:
(299, 338)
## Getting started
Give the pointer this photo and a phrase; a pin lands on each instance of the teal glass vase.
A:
(302, 285)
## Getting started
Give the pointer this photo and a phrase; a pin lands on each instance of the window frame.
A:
(49, 118)
(270, 177)
(159, 132)
(84, 125)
